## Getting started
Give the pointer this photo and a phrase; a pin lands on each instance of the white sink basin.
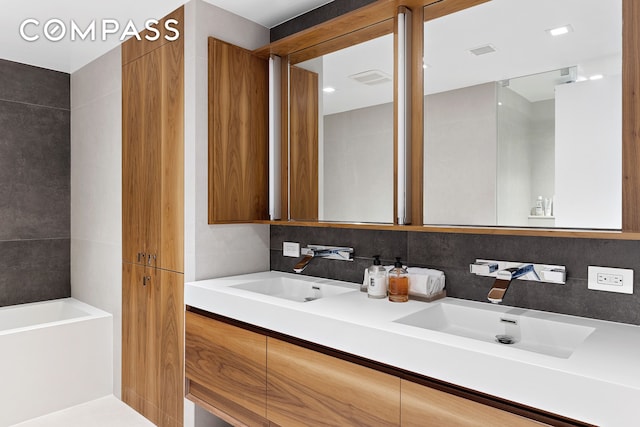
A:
(288, 288)
(526, 329)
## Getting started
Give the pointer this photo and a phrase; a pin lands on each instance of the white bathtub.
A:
(53, 355)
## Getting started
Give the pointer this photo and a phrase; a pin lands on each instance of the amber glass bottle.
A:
(398, 283)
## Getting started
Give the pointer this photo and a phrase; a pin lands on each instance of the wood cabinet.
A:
(238, 134)
(305, 387)
(226, 369)
(152, 359)
(425, 406)
(153, 227)
(257, 378)
(303, 144)
(153, 157)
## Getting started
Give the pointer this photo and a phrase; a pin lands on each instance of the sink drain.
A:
(505, 339)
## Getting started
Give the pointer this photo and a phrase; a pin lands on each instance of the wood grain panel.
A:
(309, 388)
(365, 34)
(170, 206)
(303, 144)
(238, 134)
(151, 122)
(170, 379)
(423, 406)
(133, 48)
(631, 116)
(140, 314)
(345, 24)
(417, 116)
(133, 159)
(229, 362)
(439, 9)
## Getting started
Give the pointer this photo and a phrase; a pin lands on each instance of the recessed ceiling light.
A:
(558, 31)
(328, 90)
(581, 79)
(596, 77)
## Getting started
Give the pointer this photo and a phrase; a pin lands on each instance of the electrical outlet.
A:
(611, 279)
(291, 249)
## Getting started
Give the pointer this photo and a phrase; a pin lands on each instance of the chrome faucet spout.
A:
(328, 252)
(302, 264)
(504, 278)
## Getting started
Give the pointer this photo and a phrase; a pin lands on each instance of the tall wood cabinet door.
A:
(305, 387)
(238, 134)
(303, 144)
(169, 377)
(141, 101)
(140, 343)
(226, 369)
(133, 163)
(424, 406)
(169, 211)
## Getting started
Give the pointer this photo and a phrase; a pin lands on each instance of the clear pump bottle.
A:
(398, 283)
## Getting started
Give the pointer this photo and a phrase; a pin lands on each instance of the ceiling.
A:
(518, 31)
(68, 56)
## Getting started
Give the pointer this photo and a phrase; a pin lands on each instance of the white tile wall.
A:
(96, 195)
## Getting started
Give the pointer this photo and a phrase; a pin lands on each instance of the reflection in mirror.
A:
(523, 115)
(355, 132)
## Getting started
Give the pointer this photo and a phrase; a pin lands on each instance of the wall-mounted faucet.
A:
(319, 251)
(505, 272)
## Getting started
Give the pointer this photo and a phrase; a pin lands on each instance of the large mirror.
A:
(355, 131)
(523, 115)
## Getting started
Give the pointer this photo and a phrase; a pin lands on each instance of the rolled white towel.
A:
(425, 281)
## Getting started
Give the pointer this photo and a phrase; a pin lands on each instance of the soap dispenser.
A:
(377, 279)
(398, 283)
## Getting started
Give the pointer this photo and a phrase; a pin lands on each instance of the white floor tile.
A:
(104, 412)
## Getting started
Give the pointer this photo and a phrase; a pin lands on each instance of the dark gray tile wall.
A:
(452, 253)
(315, 17)
(34, 184)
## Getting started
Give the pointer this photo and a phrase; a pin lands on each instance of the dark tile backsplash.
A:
(452, 253)
(34, 184)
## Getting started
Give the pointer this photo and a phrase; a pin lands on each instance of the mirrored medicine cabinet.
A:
(515, 118)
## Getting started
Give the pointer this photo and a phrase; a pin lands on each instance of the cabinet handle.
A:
(146, 280)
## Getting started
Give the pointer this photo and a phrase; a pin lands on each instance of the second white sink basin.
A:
(512, 327)
(288, 288)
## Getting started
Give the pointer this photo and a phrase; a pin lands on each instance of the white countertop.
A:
(599, 383)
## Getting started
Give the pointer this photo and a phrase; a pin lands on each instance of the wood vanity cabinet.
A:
(255, 378)
(305, 387)
(238, 134)
(425, 406)
(226, 369)
(152, 360)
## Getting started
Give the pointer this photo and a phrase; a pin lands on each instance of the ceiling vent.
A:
(482, 50)
(371, 77)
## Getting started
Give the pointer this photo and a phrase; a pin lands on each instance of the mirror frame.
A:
(346, 28)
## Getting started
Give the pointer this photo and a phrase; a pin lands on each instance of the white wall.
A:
(588, 154)
(212, 250)
(96, 191)
(358, 167)
(460, 156)
(513, 157)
